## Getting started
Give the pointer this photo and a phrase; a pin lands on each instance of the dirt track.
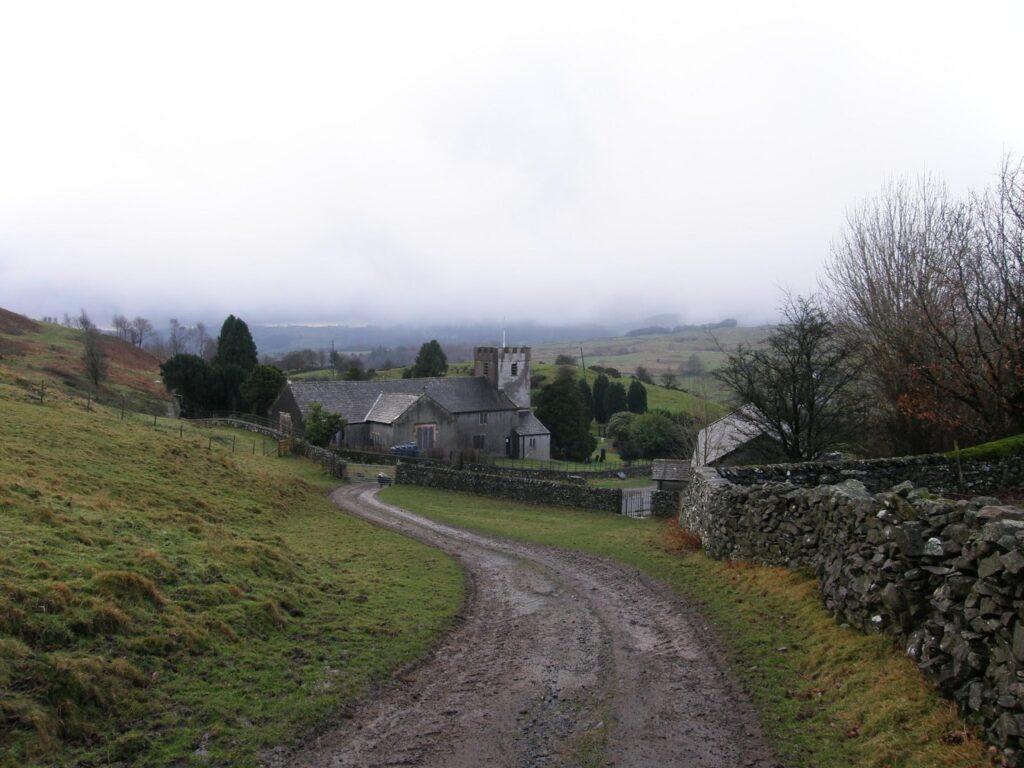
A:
(562, 658)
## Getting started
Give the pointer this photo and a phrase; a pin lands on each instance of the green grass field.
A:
(658, 397)
(180, 598)
(828, 696)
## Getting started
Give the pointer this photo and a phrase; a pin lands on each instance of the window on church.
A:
(533, 442)
(483, 418)
(487, 368)
(515, 369)
(478, 442)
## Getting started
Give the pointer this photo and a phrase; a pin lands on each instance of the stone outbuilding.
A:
(486, 413)
(732, 440)
(671, 474)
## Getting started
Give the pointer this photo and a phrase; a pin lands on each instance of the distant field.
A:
(671, 400)
(662, 353)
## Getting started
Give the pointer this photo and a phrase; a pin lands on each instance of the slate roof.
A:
(354, 400)
(670, 470)
(720, 438)
(389, 406)
(531, 425)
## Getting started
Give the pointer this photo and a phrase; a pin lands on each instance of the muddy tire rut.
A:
(559, 659)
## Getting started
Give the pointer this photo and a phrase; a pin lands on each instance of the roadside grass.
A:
(827, 696)
(163, 603)
(997, 449)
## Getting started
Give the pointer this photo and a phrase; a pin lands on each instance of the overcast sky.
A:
(381, 161)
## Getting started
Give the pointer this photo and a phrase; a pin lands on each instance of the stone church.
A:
(487, 413)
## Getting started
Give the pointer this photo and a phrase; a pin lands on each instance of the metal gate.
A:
(636, 502)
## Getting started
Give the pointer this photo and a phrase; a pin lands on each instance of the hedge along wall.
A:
(934, 471)
(512, 488)
(944, 577)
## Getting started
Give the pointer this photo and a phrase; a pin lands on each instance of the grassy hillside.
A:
(166, 604)
(37, 352)
(829, 697)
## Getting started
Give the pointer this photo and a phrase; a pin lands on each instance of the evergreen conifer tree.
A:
(636, 397)
(600, 391)
(614, 399)
(431, 361)
(235, 345)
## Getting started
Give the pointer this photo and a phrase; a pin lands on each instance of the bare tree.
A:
(177, 338)
(122, 327)
(206, 345)
(94, 357)
(140, 331)
(933, 284)
(83, 321)
(803, 387)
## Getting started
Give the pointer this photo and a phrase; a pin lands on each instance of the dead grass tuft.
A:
(678, 539)
(129, 585)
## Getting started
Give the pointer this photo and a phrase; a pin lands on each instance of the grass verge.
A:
(162, 603)
(997, 449)
(828, 696)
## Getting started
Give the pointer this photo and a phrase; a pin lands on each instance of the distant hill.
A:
(651, 330)
(32, 352)
(278, 339)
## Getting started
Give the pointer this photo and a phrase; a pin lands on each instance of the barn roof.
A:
(355, 400)
(389, 406)
(720, 438)
(530, 425)
(671, 470)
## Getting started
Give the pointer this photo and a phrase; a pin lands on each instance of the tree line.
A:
(232, 380)
(916, 342)
(568, 405)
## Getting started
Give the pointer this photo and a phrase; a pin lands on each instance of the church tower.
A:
(506, 368)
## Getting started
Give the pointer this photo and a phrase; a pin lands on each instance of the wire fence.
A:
(185, 431)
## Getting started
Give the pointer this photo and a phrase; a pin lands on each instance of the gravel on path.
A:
(559, 659)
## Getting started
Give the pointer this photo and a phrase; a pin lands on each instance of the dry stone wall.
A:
(936, 472)
(512, 488)
(665, 503)
(945, 577)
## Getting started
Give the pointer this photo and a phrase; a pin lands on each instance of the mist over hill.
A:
(278, 339)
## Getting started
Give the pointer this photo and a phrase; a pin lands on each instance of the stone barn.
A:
(732, 441)
(487, 413)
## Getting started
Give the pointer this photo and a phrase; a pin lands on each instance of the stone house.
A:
(487, 413)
